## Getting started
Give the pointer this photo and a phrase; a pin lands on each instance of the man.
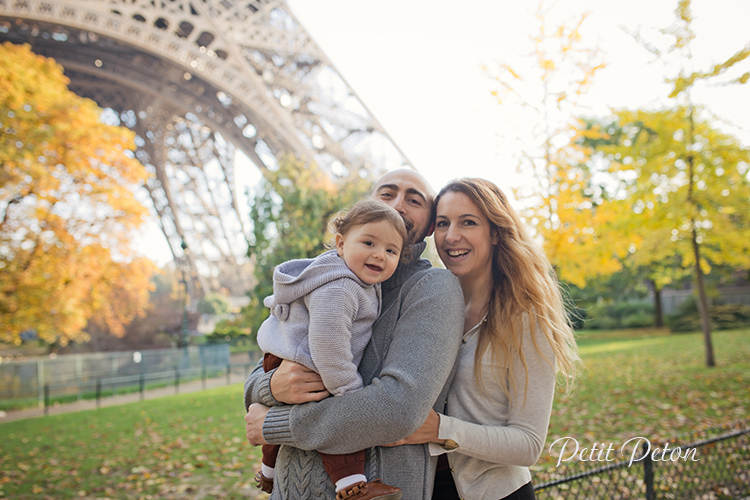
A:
(405, 368)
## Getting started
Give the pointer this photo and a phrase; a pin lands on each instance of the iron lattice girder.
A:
(154, 80)
(147, 88)
(102, 18)
(256, 53)
(245, 69)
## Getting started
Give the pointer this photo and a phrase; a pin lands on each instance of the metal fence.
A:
(722, 471)
(78, 375)
(110, 386)
(672, 299)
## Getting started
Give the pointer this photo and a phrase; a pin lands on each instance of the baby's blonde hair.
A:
(364, 212)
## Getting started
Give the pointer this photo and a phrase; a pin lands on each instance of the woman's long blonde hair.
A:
(525, 291)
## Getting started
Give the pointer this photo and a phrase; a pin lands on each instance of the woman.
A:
(516, 336)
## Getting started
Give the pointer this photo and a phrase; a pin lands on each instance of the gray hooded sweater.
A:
(406, 369)
(321, 317)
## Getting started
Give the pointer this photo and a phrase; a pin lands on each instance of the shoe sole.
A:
(392, 496)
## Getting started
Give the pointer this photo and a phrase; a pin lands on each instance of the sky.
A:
(417, 66)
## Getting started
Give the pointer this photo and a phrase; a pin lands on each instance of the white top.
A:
(497, 440)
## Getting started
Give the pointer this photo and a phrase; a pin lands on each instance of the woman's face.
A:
(463, 236)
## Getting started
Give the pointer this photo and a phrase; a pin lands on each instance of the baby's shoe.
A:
(263, 482)
(366, 491)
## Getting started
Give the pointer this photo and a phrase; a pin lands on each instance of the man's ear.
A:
(430, 229)
(340, 244)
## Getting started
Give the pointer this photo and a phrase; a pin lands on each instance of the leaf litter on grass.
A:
(657, 388)
(193, 446)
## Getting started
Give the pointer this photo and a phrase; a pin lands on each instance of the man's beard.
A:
(409, 227)
(411, 235)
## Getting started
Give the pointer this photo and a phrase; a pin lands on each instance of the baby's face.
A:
(371, 251)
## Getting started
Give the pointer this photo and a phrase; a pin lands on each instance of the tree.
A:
(290, 215)
(67, 208)
(609, 197)
(679, 51)
(160, 327)
(213, 303)
(676, 194)
(560, 71)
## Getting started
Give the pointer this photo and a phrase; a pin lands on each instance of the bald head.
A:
(412, 196)
(410, 176)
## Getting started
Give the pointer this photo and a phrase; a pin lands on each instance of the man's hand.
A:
(254, 419)
(293, 384)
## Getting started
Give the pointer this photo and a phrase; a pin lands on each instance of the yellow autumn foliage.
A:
(67, 208)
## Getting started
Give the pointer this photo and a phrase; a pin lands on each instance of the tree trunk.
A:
(703, 303)
(658, 309)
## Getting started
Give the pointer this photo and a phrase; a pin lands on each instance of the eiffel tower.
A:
(203, 82)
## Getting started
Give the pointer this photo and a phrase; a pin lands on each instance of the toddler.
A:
(322, 311)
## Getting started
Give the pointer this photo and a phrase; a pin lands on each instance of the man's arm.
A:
(258, 388)
(420, 357)
(290, 383)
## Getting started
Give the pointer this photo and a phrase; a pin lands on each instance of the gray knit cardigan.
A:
(406, 369)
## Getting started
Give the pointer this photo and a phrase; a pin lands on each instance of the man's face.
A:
(410, 194)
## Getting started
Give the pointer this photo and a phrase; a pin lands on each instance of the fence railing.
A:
(102, 388)
(721, 471)
(69, 378)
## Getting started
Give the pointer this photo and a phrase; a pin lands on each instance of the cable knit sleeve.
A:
(258, 387)
(419, 359)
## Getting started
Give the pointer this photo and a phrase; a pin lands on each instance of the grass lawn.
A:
(653, 384)
(637, 383)
(184, 446)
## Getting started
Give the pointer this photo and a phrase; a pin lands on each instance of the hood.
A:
(294, 279)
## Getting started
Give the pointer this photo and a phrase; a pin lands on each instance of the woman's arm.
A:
(427, 433)
(521, 441)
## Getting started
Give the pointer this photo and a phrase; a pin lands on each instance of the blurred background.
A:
(158, 159)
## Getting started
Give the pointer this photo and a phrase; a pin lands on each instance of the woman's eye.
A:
(441, 224)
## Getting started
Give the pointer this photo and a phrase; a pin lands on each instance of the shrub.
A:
(621, 310)
(229, 331)
(722, 317)
(638, 320)
(630, 314)
(213, 303)
(730, 316)
(601, 323)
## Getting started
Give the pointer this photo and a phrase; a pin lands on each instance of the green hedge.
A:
(635, 314)
(723, 317)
